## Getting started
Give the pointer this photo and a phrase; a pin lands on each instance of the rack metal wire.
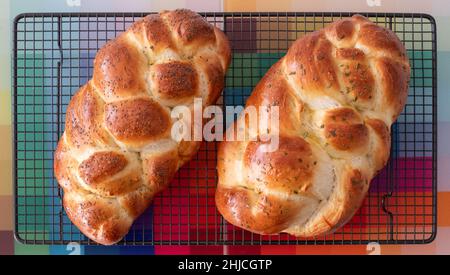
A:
(53, 56)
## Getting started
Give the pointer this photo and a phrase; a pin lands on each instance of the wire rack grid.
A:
(53, 55)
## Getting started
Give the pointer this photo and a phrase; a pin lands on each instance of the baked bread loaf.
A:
(338, 91)
(117, 152)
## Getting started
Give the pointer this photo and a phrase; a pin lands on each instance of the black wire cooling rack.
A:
(53, 56)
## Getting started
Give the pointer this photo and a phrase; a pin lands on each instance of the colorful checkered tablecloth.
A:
(439, 9)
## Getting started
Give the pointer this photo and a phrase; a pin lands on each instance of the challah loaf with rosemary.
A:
(338, 91)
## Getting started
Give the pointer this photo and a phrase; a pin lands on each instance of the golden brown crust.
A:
(138, 120)
(154, 32)
(394, 79)
(159, 170)
(272, 214)
(214, 72)
(288, 169)
(338, 91)
(309, 61)
(342, 29)
(358, 80)
(83, 120)
(116, 152)
(100, 166)
(383, 145)
(100, 220)
(136, 202)
(189, 27)
(276, 91)
(224, 48)
(345, 130)
(378, 38)
(175, 80)
(119, 70)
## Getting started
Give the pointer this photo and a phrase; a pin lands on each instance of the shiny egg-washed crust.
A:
(117, 152)
(338, 91)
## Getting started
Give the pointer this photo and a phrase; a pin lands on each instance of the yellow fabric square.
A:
(5, 160)
(257, 5)
(5, 108)
(239, 5)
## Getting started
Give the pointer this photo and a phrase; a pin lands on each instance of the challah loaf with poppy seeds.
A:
(338, 91)
(117, 152)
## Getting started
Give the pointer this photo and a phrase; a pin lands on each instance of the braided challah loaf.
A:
(338, 91)
(117, 151)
